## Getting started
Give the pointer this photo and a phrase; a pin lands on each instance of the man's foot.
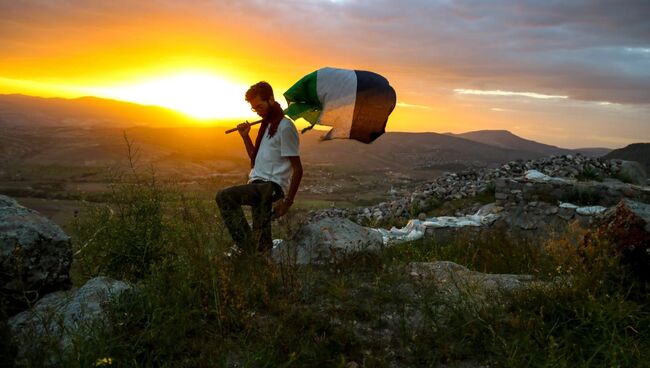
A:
(234, 251)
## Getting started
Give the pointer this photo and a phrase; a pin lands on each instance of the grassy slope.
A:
(197, 307)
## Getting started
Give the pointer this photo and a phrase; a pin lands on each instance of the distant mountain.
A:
(21, 110)
(419, 155)
(90, 130)
(593, 151)
(412, 151)
(639, 152)
(505, 139)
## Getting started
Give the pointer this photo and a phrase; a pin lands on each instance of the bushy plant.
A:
(589, 173)
(124, 237)
(489, 190)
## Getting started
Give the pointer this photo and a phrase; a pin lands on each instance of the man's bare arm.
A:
(283, 206)
(296, 176)
(244, 129)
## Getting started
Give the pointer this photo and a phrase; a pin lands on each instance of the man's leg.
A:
(262, 217)
(230, 201)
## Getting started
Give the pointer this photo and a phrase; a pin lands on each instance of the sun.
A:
(202, 95)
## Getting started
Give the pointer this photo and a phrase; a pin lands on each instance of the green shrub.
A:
(125, 236)
(589, 173)
(489, 190)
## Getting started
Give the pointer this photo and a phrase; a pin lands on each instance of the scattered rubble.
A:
(531, 192)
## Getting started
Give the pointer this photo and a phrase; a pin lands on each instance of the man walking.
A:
(275, 173)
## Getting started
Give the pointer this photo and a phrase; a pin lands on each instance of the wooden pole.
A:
(235, 129)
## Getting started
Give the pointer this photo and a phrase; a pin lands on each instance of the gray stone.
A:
(327, 240)
(633, 171)
(60, 316)
(35, 255)
(487, 209)
(566, 213)
(525, 221)
(640, 210)
(551, 210)
(500, 195)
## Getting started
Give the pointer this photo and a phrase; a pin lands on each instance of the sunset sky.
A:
(569, 73)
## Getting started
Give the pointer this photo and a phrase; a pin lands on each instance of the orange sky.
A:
(444, 79)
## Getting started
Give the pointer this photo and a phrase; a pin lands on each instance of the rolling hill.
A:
(22, 110)
(639, 152)
(505, 139)
(90, 131)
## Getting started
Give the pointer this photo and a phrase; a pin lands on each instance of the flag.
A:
(355, 103)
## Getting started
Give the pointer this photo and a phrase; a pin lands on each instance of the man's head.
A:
(260, 96)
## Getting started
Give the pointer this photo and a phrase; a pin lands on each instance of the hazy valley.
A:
(57, 152)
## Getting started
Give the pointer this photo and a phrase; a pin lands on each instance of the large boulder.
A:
(630, 171)
(35, 256)
(627, 228)
(327, 240)
(50, 326)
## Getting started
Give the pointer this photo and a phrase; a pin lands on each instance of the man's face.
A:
(261, 107)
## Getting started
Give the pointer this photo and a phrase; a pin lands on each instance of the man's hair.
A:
(262, 89)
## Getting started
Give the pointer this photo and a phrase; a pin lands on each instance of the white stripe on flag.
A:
(337, 91)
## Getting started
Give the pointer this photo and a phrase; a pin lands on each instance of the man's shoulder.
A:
(287, 123)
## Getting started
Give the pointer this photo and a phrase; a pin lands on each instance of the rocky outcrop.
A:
(572, 168)
(442, 228)
(35, 256)
(627, 229)
(51, 324)
(326, 241)
(538, 187)
(533, 199)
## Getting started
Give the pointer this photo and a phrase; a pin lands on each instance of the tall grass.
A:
(192, 305)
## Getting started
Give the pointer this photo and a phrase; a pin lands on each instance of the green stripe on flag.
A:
(302, 99)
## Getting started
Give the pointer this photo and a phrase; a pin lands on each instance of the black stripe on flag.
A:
(375, 101)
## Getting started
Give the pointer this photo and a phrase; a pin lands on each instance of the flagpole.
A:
(235, 129)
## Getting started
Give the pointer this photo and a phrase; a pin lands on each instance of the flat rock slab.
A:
(455, 278)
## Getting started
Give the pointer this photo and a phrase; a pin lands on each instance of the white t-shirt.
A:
(272, 161)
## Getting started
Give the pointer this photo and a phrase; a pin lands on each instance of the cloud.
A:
(507, 93)
(585, 49)
(412, 106)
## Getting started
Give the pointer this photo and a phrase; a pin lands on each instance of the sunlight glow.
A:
(202, 95)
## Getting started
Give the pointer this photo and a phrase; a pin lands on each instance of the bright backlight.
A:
(200, 95)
